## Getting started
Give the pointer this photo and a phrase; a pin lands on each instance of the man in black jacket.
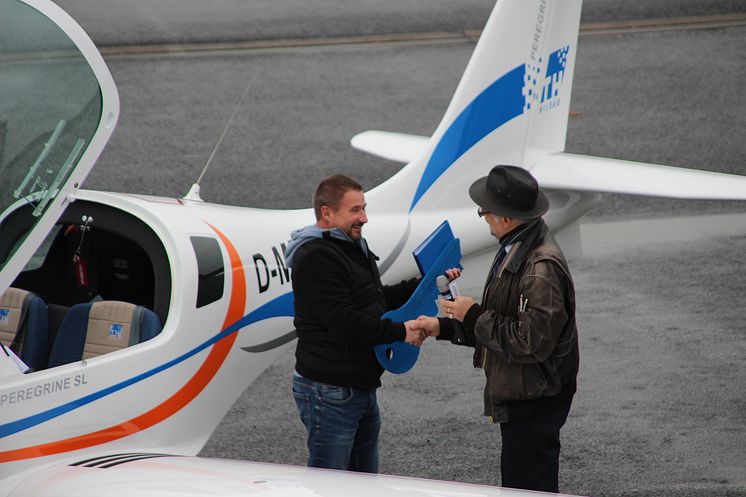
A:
(339, 301)
(524, 332)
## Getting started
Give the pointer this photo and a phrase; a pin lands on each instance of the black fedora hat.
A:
(509, 191)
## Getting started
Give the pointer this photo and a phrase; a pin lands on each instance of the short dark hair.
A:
(331, 190)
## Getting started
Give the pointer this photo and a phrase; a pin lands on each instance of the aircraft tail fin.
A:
(513, 99)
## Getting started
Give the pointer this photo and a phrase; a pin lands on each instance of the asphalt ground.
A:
(660, 409)
(112, 22)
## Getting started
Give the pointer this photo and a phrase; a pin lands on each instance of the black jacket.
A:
(339, 300)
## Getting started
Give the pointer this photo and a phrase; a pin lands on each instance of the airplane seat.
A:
(24, 326)
(95, 328)
(56, 313)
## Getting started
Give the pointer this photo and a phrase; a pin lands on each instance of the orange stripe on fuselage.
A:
(173, 404)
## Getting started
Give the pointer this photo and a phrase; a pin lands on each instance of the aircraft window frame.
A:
(211, 269)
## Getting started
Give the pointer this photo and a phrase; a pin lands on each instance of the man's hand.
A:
(453, 273)
(457, 308)
(429, 325)
(415, 334)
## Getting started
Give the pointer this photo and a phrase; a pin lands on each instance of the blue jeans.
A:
(342, 425)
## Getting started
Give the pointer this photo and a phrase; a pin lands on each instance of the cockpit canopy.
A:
(58, 106)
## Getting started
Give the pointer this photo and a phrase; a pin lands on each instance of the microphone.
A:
(446, 292)
(443, 287)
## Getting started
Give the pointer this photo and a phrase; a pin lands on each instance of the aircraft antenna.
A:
(193, 193)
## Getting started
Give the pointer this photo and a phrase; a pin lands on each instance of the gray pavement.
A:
(111, 22)
(660, 409)
(144, 21)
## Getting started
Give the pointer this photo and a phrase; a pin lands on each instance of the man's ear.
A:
(325, 212)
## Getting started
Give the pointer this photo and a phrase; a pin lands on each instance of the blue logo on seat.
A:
(115, 330)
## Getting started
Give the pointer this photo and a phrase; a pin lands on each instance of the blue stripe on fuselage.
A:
(280, 306)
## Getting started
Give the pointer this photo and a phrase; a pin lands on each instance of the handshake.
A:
(426, 326)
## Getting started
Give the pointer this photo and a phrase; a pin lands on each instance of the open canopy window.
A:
(51, 108)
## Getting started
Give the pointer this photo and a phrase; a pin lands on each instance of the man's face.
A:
(498, 224)
(350, 216)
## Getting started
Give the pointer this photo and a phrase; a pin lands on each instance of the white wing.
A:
(155, 475)
(398, 147)
(596, 174)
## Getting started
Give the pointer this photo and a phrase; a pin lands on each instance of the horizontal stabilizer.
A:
(398, 147)
(564, 171)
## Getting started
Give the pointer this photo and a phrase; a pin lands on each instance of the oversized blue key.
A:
(400, 357)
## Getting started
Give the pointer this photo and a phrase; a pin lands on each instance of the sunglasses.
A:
(481, 212)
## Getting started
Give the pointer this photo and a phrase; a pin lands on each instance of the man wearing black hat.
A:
(524, 331)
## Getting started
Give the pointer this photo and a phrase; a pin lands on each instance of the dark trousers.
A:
(531, 448)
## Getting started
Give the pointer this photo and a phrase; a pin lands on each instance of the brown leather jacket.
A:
(530, 358)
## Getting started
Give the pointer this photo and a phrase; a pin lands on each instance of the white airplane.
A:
(144, 318)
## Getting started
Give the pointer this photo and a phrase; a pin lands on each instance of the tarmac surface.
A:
(110, 22)
(660, 289)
